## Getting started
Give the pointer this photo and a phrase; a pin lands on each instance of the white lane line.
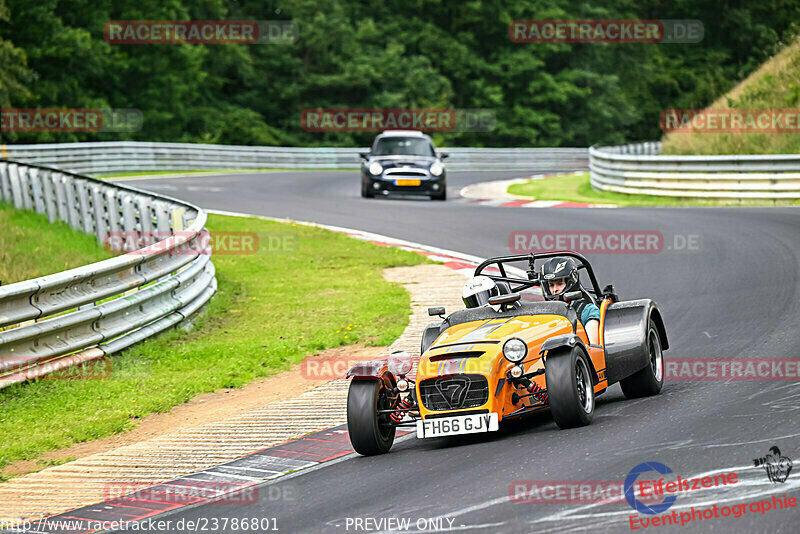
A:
(225, 475)
(247, 469)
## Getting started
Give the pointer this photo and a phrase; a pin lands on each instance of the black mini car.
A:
(403, 161)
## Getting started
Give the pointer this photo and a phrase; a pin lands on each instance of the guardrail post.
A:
(162, 217)
(25, 186)
(131, 241)
(100, 224)
(16, 188)
(5, 183)
(62, 208)
(73, 206)
(113, 209)
(178, 219)
(36, 190)
(85, 206)
(49, 190)
(145, 216)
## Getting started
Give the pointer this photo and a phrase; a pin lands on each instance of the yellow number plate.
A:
(406, 182)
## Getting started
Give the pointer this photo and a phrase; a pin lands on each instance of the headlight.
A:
(375, 168)
(515, 350)
(400, 363)
(437, 169)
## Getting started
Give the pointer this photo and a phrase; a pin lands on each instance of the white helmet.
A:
(477, 291)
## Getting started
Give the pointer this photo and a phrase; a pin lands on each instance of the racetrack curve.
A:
(735, 297)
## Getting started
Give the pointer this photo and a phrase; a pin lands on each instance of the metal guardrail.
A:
(639, 169)
(106, 157)
(58, 320)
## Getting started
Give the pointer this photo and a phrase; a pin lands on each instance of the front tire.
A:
(649, 380)
(569, 387)
(365, 190)
(370, 433)
(440, 196)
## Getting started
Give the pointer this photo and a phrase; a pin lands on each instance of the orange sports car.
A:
(511, 357)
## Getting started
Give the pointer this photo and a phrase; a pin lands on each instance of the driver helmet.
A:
(477, 291)
(556, 270)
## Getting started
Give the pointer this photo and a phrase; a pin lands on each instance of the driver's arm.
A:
(591, 323)
(592, 328)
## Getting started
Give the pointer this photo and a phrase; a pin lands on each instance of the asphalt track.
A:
(736, 296)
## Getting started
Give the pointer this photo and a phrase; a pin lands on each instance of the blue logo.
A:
(638, 505)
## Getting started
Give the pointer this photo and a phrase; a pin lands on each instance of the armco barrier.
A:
(78, 315)
(107, 157)
(638, 169)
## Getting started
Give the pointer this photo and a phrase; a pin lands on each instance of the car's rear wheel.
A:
(569, 387)
(649, 380)
(370, 432)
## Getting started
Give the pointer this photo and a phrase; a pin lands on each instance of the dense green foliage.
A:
(391, 54)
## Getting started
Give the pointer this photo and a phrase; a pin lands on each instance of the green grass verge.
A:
(576, 188)
(774, 86)
(272, 309)
(30, 246)
(214, 171)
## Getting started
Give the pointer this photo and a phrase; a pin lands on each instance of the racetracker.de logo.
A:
(730, 121)
(571, 492)
(331, 367)
(70, 120)
(602, 241)
(182, 492)
(732, 369)
(205, 242)
(380, 119)
(200, 32)
(97, 369)
(606, 31)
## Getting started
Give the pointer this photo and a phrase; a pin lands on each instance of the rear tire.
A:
(568, 378)
(370, 433)
(649, 380)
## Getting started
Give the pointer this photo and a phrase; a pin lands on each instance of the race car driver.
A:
(559, 277)
(477, 291)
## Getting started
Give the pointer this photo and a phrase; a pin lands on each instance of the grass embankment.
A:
(774, 86)
(31, 247)
(272, 309)
(576, 188)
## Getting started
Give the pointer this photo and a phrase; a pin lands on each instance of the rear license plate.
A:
(462, 424)
(407, 182)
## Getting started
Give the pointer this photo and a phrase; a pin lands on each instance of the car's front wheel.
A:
(370, 431)
(569, 387)
(441, 195)
(366, 192)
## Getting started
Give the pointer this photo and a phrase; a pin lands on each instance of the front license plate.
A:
(407, 182)
(462, 424)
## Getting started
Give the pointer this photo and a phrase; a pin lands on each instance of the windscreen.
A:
(403, 146)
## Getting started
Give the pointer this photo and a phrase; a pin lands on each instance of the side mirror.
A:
(443, 155)
(364, 155)
(436, 311)
(608, 292)
(573, 295)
